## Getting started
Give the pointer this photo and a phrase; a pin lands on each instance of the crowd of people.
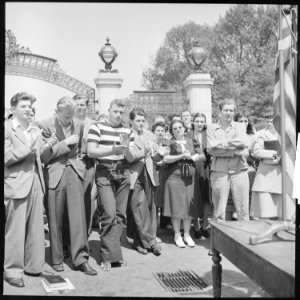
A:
(177, 175)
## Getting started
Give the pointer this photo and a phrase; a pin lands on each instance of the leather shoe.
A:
(44, 273)
(58, 267)
(140, 249)
(156, 249)
(87, 269)
(17, 282)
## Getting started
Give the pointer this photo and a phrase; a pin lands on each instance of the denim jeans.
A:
(113, 184)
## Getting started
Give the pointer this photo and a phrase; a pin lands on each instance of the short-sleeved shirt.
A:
(105, 135)
(215, 132)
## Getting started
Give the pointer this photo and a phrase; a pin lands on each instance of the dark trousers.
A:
(113, 184)
(141, 212)
(88, 201)
(87, 191)
(68, 195)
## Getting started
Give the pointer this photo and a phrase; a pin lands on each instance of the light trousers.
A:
(24, 233)
(238, 183)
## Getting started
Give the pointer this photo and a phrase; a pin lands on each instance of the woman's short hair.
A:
(198, 115)
(159, 124)
(21, 96)
(173, 122)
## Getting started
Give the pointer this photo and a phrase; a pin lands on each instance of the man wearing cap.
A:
(24, 191)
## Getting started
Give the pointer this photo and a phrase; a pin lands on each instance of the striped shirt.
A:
(105, 135)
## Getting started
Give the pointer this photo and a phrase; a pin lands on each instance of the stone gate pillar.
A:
(198, 91)
(108, 82)
(108, 85)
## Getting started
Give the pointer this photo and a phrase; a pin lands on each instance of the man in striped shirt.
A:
(108, 142)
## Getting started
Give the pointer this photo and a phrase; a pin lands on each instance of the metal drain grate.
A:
(180, 281)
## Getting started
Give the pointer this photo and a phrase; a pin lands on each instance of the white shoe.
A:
(188, 240)
(129, 240)
(158, 240)
(178, 241)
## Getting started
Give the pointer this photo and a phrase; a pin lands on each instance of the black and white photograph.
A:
(151, 150)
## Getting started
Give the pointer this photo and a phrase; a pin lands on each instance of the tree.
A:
(242, 57)
(242, 48)
(171, 64)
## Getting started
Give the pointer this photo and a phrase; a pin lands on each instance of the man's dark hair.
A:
(136, 111)
(21, 96)
(79, 97)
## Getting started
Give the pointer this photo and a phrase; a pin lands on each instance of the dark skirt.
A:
(159, 195)
(182, 194)
(203, 181)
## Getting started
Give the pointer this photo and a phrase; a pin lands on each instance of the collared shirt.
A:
(67, 130)
(27, 131)
(234, 132)
(138, 136)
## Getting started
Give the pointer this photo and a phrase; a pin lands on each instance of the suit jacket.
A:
(135, 156)
(87, 124)
(20, 162)
(56, 158)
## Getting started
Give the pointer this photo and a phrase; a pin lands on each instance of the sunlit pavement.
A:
(137, 280)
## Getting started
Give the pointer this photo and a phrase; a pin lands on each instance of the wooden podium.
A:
(270, 263)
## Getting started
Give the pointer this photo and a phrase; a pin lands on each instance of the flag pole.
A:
(282, 117)
(283, 225)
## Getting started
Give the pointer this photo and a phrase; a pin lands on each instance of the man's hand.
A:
(187, 155)
(163, 151)
(72, 140)
(243, 152)
(124, 139)
(148, 147)
(52, 140)
(119, 149)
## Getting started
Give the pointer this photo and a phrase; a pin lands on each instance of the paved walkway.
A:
(137, 280)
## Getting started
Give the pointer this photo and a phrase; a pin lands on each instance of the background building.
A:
(156, 103)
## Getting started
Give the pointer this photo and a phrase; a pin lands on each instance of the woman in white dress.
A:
(266, 200)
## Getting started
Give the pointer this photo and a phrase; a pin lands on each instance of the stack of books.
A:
(56, 284)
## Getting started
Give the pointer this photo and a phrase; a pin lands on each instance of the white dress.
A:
(266, 200)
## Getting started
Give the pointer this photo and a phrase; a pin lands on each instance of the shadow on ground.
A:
(137, 279)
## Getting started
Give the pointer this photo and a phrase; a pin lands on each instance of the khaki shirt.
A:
(224, 160)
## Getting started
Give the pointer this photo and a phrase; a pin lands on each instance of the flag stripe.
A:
(289, 101)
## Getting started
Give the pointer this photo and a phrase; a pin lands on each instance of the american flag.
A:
(289, 84)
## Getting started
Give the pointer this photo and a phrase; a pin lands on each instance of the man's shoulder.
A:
(213, 126)
(148, 133)
(46, 122)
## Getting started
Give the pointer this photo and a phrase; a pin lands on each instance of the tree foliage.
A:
(242, 48)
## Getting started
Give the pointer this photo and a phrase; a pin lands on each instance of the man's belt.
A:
(111, 163)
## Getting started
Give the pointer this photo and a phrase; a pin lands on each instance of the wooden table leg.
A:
(216, 273)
